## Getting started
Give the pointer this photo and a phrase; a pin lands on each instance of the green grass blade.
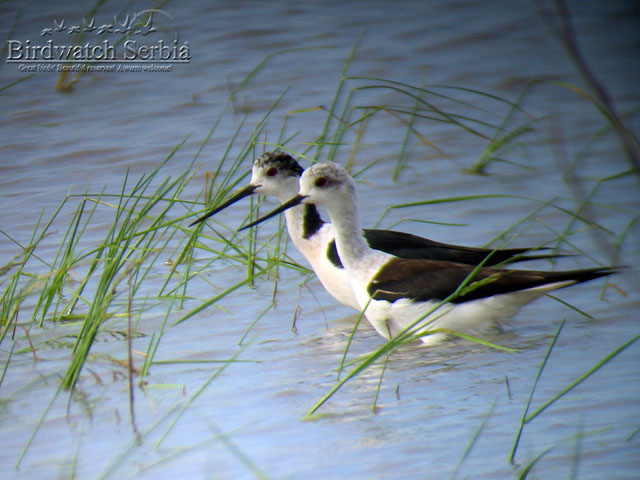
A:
(533, 389)
(581, 379)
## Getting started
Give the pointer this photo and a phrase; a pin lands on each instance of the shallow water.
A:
(249, 419)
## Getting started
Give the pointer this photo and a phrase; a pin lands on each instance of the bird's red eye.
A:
(321, 182)
(272, 172)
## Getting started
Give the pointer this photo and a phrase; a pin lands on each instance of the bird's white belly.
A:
(470, 318)
(334, 279)
(336, 282)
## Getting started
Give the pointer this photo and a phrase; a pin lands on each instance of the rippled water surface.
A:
(448, 411)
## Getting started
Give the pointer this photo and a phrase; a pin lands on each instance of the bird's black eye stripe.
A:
(321, 182)
(272, 172)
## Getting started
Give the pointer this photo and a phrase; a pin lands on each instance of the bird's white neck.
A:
(295, 222)
(350, 243)
(294, 216)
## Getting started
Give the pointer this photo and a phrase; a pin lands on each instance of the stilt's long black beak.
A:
(297, 200)
(244, 192)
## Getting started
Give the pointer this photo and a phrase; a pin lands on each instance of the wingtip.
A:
(597, 272)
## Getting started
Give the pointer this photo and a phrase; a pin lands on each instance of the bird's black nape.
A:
(244, 192)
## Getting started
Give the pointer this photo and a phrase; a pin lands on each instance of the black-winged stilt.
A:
(277, 174)
(398, 292)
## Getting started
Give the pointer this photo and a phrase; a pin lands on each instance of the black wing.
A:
(406, 245)
(424, 280)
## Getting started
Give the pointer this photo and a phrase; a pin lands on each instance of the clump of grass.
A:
(20, 283)
(88, 287)
(134, 235)
(125, 248)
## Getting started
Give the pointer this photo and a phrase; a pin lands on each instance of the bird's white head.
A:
(327, 184)
(277, 174)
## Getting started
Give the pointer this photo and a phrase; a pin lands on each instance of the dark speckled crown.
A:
(284, 162)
